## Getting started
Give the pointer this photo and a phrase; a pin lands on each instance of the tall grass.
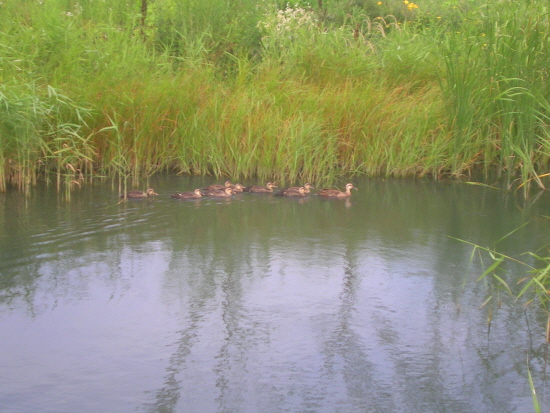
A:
(266, 90)
(37, 135)
(496, 85)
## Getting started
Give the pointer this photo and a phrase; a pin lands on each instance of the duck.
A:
(139, 194)
(336, 193)
(258, 189)
(307, 189)
(237, 188)
(301, 191)
(218, 187)
(226, 193)
(188, 195)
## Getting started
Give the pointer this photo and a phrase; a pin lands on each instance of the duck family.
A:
(229, 189)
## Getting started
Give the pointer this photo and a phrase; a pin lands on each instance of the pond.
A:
(260, 303)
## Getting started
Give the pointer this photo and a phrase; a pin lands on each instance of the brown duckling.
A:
(336, 193)
(218, 187)
(140, 194)
(300, 192)
(237, 187)
(259, 189)
(226, 193)
(307, 189)
(188, 195)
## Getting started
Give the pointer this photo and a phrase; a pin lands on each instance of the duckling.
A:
(335, 193)
(140, 194)
(259, 189)
(307, 189)
(188, 195)
(226, 193)
(218, 187)
(300, 192)
(237, 187)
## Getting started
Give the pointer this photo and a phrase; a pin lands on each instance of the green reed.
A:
(533, 280)
(33, 142)
(248, 91)
(529, 280)
(496, 86)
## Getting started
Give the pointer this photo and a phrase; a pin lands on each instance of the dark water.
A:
(265, 304)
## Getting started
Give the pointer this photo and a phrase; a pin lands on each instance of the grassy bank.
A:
(250, 88)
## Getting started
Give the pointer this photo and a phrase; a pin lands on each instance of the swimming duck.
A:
(300, 192)
(335, 193)
(255, 188)
(140, 194)
(307, 189)
(218, 187)
(188, 195)
(226, 193)
(237, 187)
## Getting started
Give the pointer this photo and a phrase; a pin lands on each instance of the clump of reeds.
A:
(40, 133)
(496, 88)
(298, 93)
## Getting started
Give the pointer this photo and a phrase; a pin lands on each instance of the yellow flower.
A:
(379, 3)
(439, 17)
(406, 1)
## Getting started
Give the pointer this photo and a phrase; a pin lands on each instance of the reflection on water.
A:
(265, 304)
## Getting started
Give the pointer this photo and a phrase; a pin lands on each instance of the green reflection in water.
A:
(262, 303)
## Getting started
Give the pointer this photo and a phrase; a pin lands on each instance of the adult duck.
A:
(226, 193)
(336, 193)
(139, 194)
(259, 189)
(188, 195)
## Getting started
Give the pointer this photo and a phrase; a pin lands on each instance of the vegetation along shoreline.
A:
(290, 92)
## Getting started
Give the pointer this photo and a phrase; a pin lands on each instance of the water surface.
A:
(266, 304)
